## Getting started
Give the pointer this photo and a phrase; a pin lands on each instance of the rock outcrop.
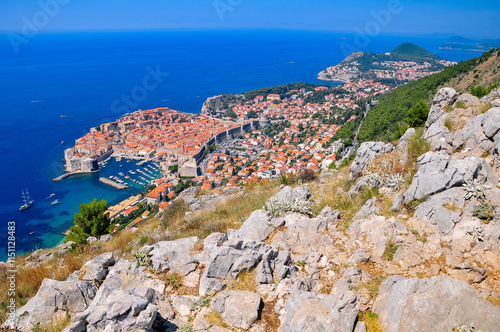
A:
(212, 105)
(366, 153)
(437, 304)
(53, 301)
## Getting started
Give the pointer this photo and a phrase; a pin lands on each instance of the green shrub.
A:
(417, 115)
(91, 221)
(308, 175)
(484, 211)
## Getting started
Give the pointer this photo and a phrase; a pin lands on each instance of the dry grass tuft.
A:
(215, 318)
(270, 317)
(452, 207)
(450, 124)
(230, 214)
(340, 200)
(386, 164)
(245, 282)
(485, 107)
(417, 146)
(494, 300)
(371, 320)
(57, 326)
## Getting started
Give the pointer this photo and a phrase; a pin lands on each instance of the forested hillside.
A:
(384, 120)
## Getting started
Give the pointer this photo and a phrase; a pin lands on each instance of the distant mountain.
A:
(461, 43)
(410, 51)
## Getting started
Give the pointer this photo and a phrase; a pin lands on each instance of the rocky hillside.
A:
(218, 104)
(484, 74)
(406, 240)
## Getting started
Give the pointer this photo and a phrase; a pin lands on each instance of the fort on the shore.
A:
(161, 134)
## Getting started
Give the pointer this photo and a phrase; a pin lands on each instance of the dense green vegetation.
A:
(347, 130)
(388, 116)
(404, 52)
(230, 113)
(91, 221)
(417, 115)
(480, 92)
(280, 90)
(319, 96)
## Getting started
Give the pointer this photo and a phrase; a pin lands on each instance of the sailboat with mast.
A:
(26, 200)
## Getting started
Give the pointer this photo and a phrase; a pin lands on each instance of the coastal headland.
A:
(405, 63)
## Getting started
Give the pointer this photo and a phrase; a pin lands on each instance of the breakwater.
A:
(113, 184)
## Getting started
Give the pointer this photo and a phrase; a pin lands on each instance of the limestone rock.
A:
(257, 227)
(126, 301)
(184, 304)
(302, 193)
(437, 172)
(439, 136)
(106, 238)
(240, 309)
(52, 302)
(366, 153)
(370, 207)
(287, 194)
(443, 98)
(437, 304)
(368, 181)
(213, 240)
(468, 100)
(330, 216)
(472, 135)
(491, 96)
(374, 232)
(307, 311)
(201, 323)
(403, 141)
(490, 122)
(359, 256)
(228, 262)
(408, 256)
(443, 209)
(91, 239)
(173, 256)
(96, 270)
(296, 222)
(495, 103)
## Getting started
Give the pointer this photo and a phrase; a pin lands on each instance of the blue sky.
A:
(405, 16)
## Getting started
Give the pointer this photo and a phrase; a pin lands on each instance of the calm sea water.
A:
(60, 85)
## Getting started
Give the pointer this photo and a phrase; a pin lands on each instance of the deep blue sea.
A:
(59, 85)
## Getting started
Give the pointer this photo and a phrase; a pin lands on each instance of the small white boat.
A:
(55, 202)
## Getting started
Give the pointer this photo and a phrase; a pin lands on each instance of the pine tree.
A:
(417, 115)
(91, 221)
